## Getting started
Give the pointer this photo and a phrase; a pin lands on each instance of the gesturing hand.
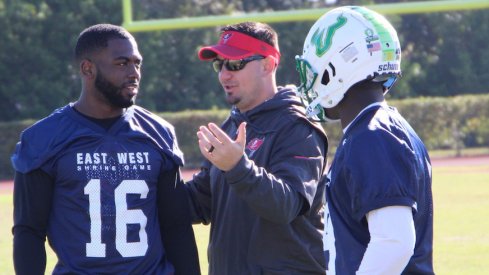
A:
(219, 148)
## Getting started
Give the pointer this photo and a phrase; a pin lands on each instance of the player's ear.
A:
(87, 68)
(269, 64)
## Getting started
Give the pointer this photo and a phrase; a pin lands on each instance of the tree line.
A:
(443, 53)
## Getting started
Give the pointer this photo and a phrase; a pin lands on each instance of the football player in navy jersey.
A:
(100, 177)
(379, 217)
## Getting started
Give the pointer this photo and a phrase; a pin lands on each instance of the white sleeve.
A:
(392, 240)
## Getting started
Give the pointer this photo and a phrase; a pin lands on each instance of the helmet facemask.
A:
(308, 77)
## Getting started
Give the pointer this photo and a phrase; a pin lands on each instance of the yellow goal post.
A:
(288, 15)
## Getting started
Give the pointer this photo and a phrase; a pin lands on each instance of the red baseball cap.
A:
(236, 45)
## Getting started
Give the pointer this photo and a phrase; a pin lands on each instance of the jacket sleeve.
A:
(33, 193)
(286, 186)
(176, 227)
(199, 190)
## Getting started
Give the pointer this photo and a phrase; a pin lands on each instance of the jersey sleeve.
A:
(158, 130)
(382, 172)
(44, 140)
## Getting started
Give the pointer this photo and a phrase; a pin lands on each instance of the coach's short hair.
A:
(96, 37)
(258, 30)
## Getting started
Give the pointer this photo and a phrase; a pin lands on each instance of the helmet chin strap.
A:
(313, 112)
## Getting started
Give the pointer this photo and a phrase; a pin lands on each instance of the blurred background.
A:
(443, 92)
(444, 54)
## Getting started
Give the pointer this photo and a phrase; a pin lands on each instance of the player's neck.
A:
(96, 109)
(355, 101)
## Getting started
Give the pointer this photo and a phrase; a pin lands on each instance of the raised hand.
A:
(219, 148)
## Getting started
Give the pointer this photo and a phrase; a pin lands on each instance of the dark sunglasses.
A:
(233, 65)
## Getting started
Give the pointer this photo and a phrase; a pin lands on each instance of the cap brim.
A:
(228, 52)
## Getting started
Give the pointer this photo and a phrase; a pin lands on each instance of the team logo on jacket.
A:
(254, 145)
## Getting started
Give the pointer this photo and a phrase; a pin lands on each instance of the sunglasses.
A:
(234, 65)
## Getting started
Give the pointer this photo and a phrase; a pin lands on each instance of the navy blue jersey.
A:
(103, 216)
(379, 162)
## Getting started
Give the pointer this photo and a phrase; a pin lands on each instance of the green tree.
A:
(443, 53)
(36, 69)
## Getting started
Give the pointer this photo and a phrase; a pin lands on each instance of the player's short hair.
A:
(260, 31)
(96, 37)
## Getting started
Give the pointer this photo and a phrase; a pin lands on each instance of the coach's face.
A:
(118, 72)
(245, 88)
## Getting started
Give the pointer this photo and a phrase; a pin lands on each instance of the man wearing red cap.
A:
(259, 186)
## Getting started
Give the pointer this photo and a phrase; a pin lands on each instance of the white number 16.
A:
(123, 217)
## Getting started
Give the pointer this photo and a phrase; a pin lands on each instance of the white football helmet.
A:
(345, 46)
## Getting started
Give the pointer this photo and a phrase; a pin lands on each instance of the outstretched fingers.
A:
(219, 148)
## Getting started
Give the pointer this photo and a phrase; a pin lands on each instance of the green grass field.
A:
(461, 196)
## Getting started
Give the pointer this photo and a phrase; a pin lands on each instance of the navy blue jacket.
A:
(266, 212)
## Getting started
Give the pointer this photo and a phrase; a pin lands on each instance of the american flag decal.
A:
(373, 47)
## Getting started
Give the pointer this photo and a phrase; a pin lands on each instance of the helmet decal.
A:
(323, 45)
(371, 37)
(381, 25)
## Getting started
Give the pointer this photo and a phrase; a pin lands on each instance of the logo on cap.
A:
(226, 37)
